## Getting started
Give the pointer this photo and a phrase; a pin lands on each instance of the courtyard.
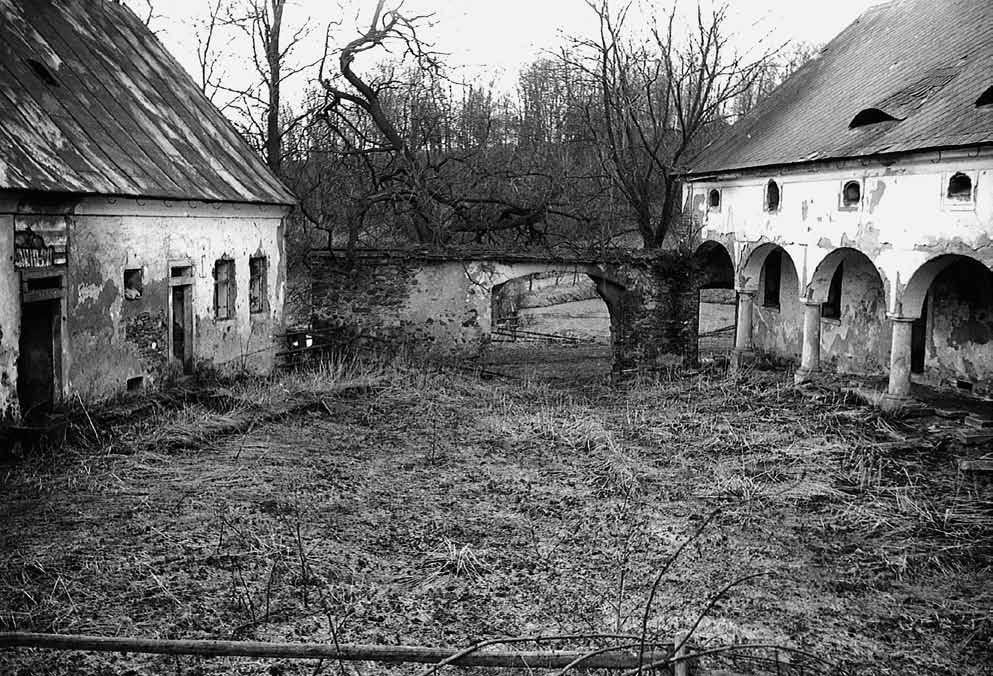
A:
(408, 504)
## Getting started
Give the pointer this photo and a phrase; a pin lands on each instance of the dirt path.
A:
(439, 508)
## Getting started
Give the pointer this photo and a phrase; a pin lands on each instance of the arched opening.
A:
(851, 194)
(555, 305)
(555, 324)
(959, 188)
(714, 199)
(777, 314)
(951, 299)
(854, 333)
(717, 303)
(772, 196)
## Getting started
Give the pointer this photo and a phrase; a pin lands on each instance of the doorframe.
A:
(187, 280)
(49, 284)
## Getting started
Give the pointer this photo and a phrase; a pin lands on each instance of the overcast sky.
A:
(498, 36)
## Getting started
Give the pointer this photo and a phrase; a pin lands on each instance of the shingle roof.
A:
(924, 62)
(91, 102)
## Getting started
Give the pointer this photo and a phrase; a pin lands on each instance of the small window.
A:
(181, 271)
(851, 194)
(959, 188)
(133, 285)
(985, 99)
(258, 285)
(773, 267)
(870, 116)
(224, 289)
(136, 383)
(772, 196)
(832, 308)
(714, 199)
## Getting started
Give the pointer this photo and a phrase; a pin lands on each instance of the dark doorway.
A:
(40, 356)
(182, 327)
(918, 340)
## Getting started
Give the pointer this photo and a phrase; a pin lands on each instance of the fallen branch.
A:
(556, 659)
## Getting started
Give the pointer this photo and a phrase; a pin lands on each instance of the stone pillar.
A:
(898, 393)
(743, 330)
(810, 357)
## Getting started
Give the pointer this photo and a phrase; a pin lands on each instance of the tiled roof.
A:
(923, 62)
(91, 102)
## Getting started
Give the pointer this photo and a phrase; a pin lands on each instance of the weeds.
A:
(390, 503)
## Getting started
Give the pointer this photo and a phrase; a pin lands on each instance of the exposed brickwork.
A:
(147, 331)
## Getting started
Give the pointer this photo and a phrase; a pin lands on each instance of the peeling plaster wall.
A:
(10, 312)
(110, 338)
(779, 331)
(859, 340)
(959, 340)
(903, 219)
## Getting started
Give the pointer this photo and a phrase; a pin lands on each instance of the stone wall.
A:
(441, 303)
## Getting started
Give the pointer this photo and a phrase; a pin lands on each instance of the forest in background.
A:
(387, 147)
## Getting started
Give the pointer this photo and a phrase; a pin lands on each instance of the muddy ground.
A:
(415, 505)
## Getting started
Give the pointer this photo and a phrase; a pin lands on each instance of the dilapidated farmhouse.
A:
(853, 209)
(139, 235)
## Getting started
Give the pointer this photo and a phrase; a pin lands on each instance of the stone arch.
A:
(777, 313)
(715, 267)
(911, 301)
(854, 333)
(950, 299)
(754, 260)
(820, 281)
(607, 288)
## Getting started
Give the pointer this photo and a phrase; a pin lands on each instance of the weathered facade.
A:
(442, 301)
(142, 236)
(855, 205)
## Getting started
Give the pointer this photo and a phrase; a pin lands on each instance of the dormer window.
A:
(985, 99)
(772, 196)
(851, 194)
(959, 188)
(870, 116)
(714, 199)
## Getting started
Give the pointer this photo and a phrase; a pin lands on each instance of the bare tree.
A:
(401, 120)
(209, 56)
(657, 97)
(254, 104)
(145, 10)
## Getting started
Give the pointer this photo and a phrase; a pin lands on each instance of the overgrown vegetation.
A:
(400, 504)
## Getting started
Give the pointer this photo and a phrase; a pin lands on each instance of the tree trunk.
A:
(274, 139)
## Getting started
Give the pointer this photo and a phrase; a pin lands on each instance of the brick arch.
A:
(911, 301)
(820, 281)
